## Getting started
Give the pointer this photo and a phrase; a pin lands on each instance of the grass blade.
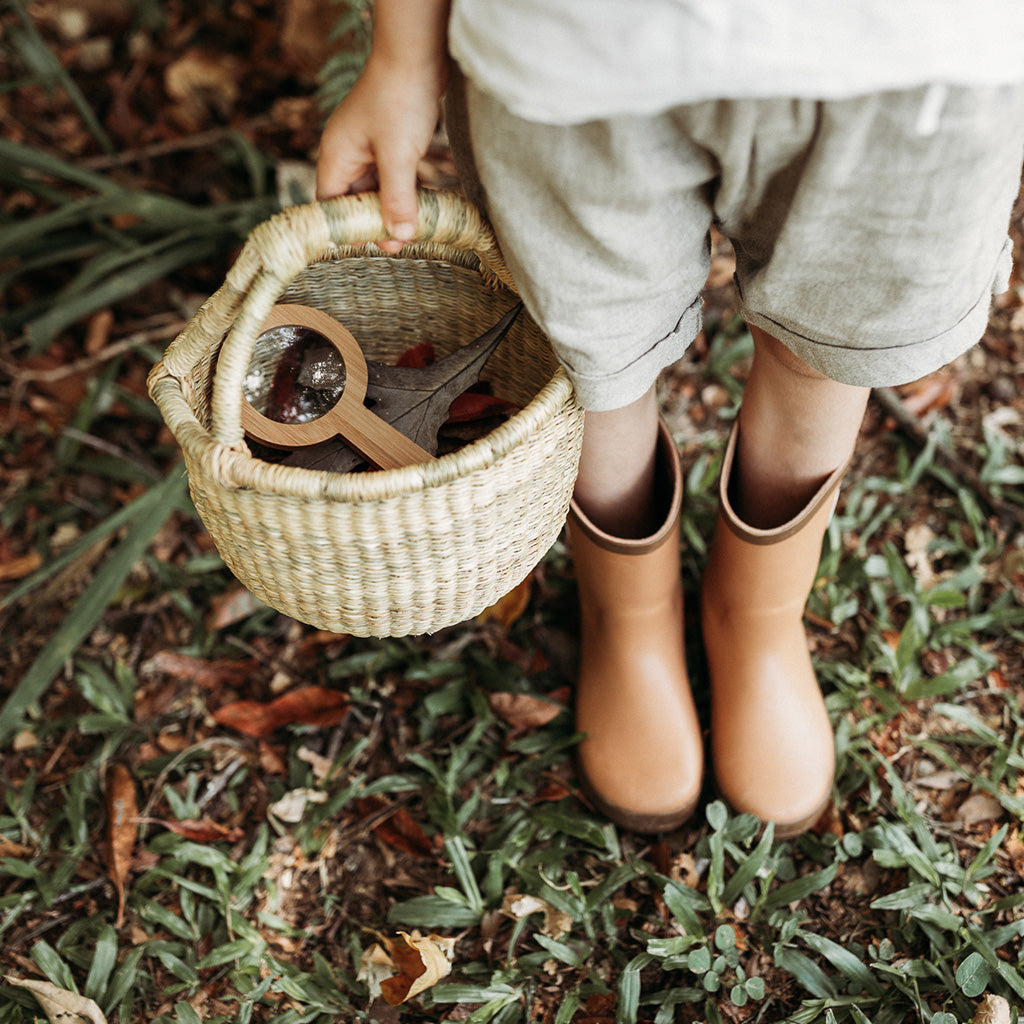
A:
(163, 499)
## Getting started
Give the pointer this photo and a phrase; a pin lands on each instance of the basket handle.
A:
(287, 243)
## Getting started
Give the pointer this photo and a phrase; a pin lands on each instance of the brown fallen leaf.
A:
(122, 829)
(421, 964)
(310, 705)
(397, 828)
(523, 711)
(929, 394)
(551, 792)
(98, 329)
(231, 607)
(199, 831)
(17, 568)
(211, 674)
(9, 848)
(59, 1005)
(202, 82)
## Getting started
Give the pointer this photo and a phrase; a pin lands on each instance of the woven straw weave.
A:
(382, 553)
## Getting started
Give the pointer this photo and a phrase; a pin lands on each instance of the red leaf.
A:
(311, 705)
(418, 357)
(471, 405)
(398, 829)
(551, 792)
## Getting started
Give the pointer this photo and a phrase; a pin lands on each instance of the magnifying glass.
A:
(374, 438)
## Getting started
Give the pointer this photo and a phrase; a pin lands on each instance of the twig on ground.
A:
(198, 141)
(81, 367)
(892, 404)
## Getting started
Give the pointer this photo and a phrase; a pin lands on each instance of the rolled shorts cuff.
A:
(893, 364)
(606, 391)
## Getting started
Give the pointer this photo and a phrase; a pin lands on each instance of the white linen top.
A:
(569, 61)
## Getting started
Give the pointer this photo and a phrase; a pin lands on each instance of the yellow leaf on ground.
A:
(421, 964)
(59, 1005)
(509, 608)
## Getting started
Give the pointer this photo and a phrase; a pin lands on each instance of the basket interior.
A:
(392, 304)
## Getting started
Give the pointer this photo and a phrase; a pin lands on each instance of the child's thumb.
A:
(398, 203)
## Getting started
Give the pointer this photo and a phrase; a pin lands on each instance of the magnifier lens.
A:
(296, 375)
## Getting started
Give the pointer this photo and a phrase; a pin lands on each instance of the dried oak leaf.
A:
(122, 829)
(59, 1005)
(421, 964)
(309, 705)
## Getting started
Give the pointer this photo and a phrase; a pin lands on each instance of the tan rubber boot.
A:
(642, 758)
(771, 740)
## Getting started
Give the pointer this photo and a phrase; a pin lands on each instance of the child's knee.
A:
(768, 347)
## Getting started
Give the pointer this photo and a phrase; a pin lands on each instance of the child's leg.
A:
(796, 427)
(616, 477)
(570, 209)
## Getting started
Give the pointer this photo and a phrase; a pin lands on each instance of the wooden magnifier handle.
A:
(374, 438)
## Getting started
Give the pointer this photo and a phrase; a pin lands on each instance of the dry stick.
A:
(892, 404)
(86, 363)
(21, 378)
(197, 141)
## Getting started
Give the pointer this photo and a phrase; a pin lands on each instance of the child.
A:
(863, 158)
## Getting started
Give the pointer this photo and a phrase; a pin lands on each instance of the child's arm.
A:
(386, 122)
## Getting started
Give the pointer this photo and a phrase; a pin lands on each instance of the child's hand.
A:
(378, 135)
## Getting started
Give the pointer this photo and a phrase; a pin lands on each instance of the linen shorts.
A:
(870, 233)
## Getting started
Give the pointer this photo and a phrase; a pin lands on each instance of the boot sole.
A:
(796, 828)
(789, 829)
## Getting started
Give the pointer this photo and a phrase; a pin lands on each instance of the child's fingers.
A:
(399, 208)
(336, 176)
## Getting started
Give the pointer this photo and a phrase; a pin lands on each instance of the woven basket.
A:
(382, 553)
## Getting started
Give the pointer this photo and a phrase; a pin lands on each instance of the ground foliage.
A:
(215, 813)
